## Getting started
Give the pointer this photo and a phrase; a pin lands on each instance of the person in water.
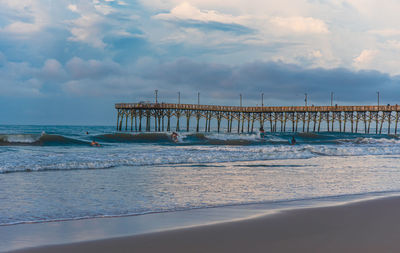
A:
(292, 141)
(94, 144)
(174, 137)
(262, 132)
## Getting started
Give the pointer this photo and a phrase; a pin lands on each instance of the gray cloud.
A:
(219, 83)
(285, 83)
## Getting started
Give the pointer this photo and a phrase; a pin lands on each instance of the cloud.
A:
(282, 83)
(365, 58)
(88, 29)
(187, 15)
(385, 32)
(306, 25)
(186, 11)
(30, 18)
(100, 20)
(73, 7)
(18, 80)
(91, 69)
(52, 71)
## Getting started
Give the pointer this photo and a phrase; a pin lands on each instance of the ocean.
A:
(52, 173)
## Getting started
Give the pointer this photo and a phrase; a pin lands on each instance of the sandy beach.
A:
(367, 226)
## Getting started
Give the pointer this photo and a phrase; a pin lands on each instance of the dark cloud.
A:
(105, 81)
(279, 81)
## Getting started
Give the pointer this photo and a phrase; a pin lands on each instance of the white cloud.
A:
(104, 9)
(73, 7)
(365, 58)
(316, 54)
(385, 32)
(87, 29)
(95, 22)
(22, 28)
(303, 25)
(29, 18)
(186, 11)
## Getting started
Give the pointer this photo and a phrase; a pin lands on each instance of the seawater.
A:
(50, 173)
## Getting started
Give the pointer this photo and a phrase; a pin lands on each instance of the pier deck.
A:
(276, 118)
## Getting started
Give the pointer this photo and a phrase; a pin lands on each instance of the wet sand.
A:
(368, 226)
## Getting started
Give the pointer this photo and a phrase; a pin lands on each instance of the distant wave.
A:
(137, 138)
(369, 140)
(38, 140)
(187, 138)
(196, 139)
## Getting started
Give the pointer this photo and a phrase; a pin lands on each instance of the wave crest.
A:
(38, 140)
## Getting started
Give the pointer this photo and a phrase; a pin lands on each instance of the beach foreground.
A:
(367, 226)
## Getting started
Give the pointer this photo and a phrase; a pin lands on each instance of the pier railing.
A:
(302, 118)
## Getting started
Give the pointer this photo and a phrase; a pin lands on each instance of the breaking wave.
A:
(38, 140)
(219, 139)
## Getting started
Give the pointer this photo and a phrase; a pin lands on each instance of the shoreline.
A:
(354, 226)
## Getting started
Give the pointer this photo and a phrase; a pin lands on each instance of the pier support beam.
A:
(197, 121)
(140, 120)
(178, 116)
(118, 119)
(238, 121)
(219, 117)
(131, 120)
(252, 121)
(168, 121)
(188, 114)
(357, 118)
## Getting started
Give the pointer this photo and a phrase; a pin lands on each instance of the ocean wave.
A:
(190, 138)
(131, 155)
(137, 138)
(370, 140)
(38, 140)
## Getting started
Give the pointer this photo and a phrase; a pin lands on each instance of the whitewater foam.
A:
(19, 138)
(129, 155)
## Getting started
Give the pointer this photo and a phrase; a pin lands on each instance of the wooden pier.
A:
(355, 119)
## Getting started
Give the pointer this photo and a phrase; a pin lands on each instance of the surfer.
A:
(94, 144)
(292, 141)
(174, 137)
(262, 132)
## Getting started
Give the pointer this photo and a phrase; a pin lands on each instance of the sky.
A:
(69, 61)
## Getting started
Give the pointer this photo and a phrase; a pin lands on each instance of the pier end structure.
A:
(158, 117)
